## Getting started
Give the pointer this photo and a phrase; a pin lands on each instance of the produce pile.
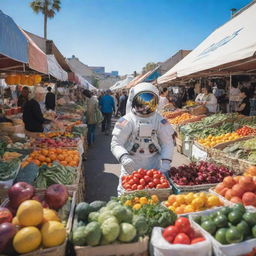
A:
(9, 169)
(20, 145)
(48, 155)
(198, 173)
(145, 179)
(29, 221)
(56, 142)
(192, 202)
(246, 130)
(243, 149)
(56, 134)
(7, 156)
(229, 225)
(173, 114)
(238, 189)
(184, 118)
(182, 233)
(212, 141)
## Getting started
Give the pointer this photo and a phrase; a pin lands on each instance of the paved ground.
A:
(102, 169)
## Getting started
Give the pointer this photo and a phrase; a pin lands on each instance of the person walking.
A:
(122, 103)
(107, 106)
(92, 105)
(50, 99)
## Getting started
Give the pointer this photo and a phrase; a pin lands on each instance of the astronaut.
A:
(142, 138)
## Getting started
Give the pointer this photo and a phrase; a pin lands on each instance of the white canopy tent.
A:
(230, 48)
(122, 83)
(55, 69)
(85, 84)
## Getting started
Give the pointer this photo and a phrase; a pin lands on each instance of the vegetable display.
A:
(229, 225)
(56, 142)
(192, 202)
(145, 179)
(8, 169)
(239, 189)
(198, 173)
(55, 174)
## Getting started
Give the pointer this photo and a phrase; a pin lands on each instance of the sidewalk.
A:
(102, 170)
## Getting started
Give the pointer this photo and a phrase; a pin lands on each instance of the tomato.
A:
(135, 172)
(142, 182)
(157, 176)
(147, 179)
(142, 172)
(165, 185)
(170, 233)
(134, 187)
(150, 173)
(156, 181)
(136, 180)
(156, 173)
(137, 175)
(191, 233)
(181, 238)
(147, 187)
(140, 187)
(151, 184)
(129, 189)
(197, 240)
(159, 186)
(163, 180)
(124, 178)
(182, 224)
(131, 182)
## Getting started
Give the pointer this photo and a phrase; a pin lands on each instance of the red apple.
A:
(45, 205)
(20, 192)
(56, 196)
(7, 232)
(5, 215)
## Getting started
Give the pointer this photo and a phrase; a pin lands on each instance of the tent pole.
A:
(24, 68)
(230, 85)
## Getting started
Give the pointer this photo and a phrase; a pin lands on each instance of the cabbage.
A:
(110, 231)
(93, 216)
(127, 232)
(92, 233)
(120, 213)
(103, 216)
(79, 236)
(112, 204)
(140, 223)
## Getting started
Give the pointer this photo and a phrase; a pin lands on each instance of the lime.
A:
(221, 235)
(239, 207)
(209, 226)
(235, 217)
(221, 221)
(224, 210)
(250, 218)
(244, 228)
(233, 235)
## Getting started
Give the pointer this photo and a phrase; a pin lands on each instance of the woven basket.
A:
(123, 249)
(244, 164)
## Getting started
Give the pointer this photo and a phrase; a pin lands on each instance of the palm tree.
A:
(48, 8)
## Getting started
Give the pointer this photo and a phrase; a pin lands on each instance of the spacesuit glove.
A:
(165, 167)
(127, 163)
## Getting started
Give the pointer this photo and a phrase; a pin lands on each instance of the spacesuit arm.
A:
(166, 140)
(121, 133)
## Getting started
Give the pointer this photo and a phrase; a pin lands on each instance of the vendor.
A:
(244, 107)
(142, 138)
(32, 114)
(209, 100)
(23, 98)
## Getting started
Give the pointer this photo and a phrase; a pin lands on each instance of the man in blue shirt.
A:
(107, 106)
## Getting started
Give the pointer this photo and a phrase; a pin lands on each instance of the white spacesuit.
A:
(142, 138)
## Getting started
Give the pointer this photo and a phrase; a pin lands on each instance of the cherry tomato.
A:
(142, 182)
(140, 187)
(181, 238)
(134, 187)
(182, 224)
(150, 173)
(147, 179)
(151, 184)
(170, 233)
(156, 181)
(197, 240)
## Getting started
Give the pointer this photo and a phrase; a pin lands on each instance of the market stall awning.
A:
(122, 83)
(13, 43)
(230, 48)
(55, 69)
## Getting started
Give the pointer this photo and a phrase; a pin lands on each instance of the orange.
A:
(37, 162)
(61, 157)
(171, 199)
(29, 159)
(63, 163)
(69, 159)
(58, 150)
(48, 160)
(53, 157)
(72, 163)
(41, 158)
(45, 152)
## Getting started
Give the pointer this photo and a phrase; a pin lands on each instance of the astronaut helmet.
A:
(145, 99)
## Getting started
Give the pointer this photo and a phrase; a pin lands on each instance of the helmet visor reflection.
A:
(145, 102)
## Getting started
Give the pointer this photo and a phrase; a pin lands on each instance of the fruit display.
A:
(7, 156)
(212, 141)
(47, 156)
(250, 171)
(145, 179)
(246, 130)
(183, 118)
(19, 145)
(9, 169)
(229, 225)
(56, 142)
(243, 149)
(136, 200)
(173, 114)
(192, 202)
(239, 189)
(182, 233)
(29, 220)
(56, 134)
(198, 173)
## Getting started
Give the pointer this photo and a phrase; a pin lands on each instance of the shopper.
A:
(142, 138)
(163, 99)
(23, 98)
(32, 114)
(92, 105)
(50, 100)
(209, 100)
(122, 103)
(107, 106)
(234, 96)
(244, 107)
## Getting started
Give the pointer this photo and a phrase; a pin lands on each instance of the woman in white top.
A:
(163, 99)
(199, 97)
(209, 100)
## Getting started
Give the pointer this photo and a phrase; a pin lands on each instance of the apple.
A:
(56, 196)
(20, 192)
(7, 232)
(5, 215)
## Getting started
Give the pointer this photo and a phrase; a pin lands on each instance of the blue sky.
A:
(125, 34)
